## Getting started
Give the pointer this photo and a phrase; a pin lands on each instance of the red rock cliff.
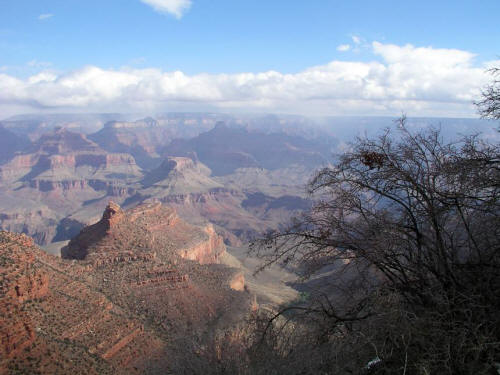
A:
(146, 229)
(208, 250)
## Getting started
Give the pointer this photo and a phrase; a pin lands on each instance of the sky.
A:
(315, 57)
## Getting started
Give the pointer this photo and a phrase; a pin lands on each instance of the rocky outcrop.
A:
(96, 159)
(149, 228)
(112, 215)
(78, 248)
(104, 160)
(117, 310)
(30, 287)
(62, 174)
(207, 251)
(39, 162)
(178, 175)
(237, 282)
(64, 185)
(21, 281)
(215, 194)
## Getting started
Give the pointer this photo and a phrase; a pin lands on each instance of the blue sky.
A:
(63, 39)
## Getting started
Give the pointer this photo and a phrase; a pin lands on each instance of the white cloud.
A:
(344, 47)
(421, 81)
(356, 39)
(45, 16)
(175, 7)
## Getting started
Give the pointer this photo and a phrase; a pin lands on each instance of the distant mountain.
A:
(34, 125)
(10, 143)
(146, 139)
(225, 149)
(63, 156)
(141, 139)
(178, 175)
(63, 141)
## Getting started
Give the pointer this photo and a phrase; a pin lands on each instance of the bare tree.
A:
(489, 105)
(406, 227)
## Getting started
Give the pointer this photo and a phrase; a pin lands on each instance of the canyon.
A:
(148, 220)
(62, 180)
(126, 288)
(140, 237)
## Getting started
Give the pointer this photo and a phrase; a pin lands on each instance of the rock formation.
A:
(67, 161)
(56, 177)
(150, 229)
(64, 180)
(135, 281)
(141, 138)
(224, 149)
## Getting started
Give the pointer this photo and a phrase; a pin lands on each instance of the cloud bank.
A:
(175, 7)
(421, 81)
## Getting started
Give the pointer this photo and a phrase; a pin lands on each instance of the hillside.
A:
(224, 149)
(121, 307)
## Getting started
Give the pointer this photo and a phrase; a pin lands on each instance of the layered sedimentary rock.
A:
(208, 250)
(150, 229)
(64, 160)
(179, 175)
(134, 283)
(60, 174)
(225, 149)
(141, 138)
(65, 180)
